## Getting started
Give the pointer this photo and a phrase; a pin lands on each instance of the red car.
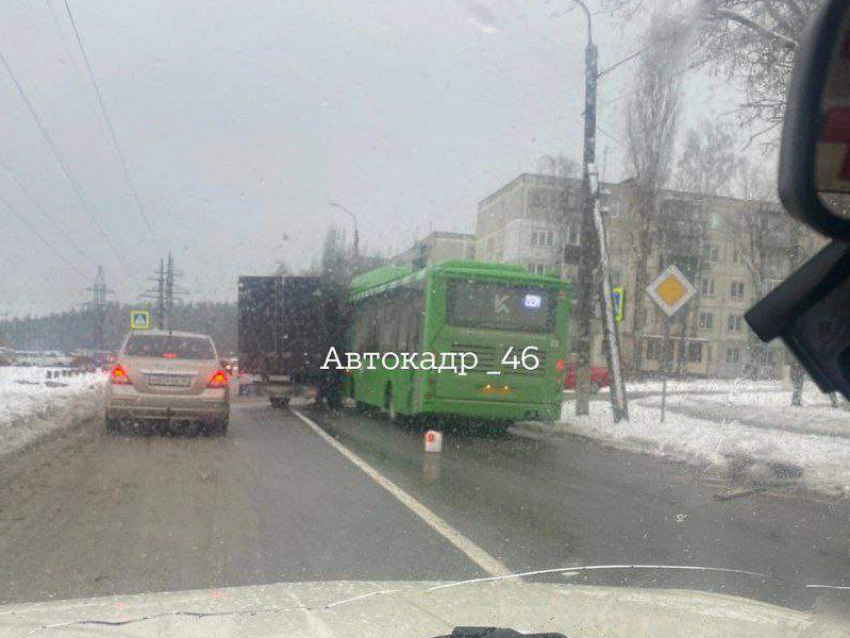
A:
(598, 378)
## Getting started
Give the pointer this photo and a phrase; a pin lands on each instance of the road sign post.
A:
(665, 365)
(670, 291)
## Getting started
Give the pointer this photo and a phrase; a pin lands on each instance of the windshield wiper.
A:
(494, 632)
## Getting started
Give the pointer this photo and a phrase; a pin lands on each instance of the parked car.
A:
(598, 378)
(168, 377)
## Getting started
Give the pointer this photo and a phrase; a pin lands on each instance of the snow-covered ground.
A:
(704, 385)
(748, 420)
(31, 409)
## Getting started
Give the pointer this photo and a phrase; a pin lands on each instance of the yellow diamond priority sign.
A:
(671, 290)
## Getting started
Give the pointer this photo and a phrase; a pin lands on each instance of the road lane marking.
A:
(490, 564)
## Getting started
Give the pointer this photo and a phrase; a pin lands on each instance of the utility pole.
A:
(160, 296)
(157, 293)
(169, 289)
(98, 304)
(594, 254)
(164, 291)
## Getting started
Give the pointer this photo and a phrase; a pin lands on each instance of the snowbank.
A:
(824, 459)
(31, 409)
(704, 385)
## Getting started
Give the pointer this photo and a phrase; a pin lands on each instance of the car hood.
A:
(355, 609)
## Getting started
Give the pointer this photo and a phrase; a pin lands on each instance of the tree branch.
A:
(782, 40)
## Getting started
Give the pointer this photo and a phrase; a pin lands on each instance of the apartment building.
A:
(733, 251)
(436, 247)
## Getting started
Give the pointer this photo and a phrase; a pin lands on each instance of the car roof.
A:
(173, 333)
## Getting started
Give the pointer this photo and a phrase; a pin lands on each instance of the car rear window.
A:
(169, 347)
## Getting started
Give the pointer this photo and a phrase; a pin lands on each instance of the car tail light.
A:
(218, 380)
(169, 355)
(118, 376)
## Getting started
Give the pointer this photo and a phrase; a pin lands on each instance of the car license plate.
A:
(169, 381)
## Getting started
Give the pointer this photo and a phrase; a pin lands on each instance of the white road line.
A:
(485, 561)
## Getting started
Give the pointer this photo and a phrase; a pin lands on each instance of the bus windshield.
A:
(500, 306)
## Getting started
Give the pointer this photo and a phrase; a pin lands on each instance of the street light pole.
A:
(587, 258)
(356, 232)
(594, 254)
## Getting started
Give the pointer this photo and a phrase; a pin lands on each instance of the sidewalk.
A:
(778, 415)
(755, 428)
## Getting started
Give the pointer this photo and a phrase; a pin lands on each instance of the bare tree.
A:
(558, 166)
(564, 169)
(770, 245)
(705, 167)
(651, 131)
(708, 161)
(761, 235)
(751, 42)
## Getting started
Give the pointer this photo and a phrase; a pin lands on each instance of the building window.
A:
(716, 220)
(708, 353)
(707, 287)
(537, 269)
(737, 290)
(653, 349)
(694, 353)
(736, 256)
(710, 254)
(769, 358)
(539, 198)
(734, 323)
(615, 276)
(573, 234)
(706, 321)
(610, 206)
(550, 237)
(533, 237)
(733, 355)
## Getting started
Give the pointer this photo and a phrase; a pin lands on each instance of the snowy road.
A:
(91, 514)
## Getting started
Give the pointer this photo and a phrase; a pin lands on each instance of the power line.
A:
(74, 65)
(623, 61)
(65, 169)
(109, 126)
(99, 304)
(43, 240)
(53, 220)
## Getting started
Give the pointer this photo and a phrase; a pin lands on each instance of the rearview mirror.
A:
(814, 162)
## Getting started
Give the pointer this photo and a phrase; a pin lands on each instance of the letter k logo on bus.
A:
(500, 305)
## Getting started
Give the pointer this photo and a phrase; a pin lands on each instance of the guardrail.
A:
(65, 372)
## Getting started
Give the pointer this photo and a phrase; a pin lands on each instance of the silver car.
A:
(168, 377)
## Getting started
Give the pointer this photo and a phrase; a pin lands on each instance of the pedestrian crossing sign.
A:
(617, 297)
(140, 320)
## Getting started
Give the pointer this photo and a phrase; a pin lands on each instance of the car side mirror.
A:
(814, 161)
(809, 312)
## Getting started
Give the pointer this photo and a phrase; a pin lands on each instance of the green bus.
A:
(516, 324)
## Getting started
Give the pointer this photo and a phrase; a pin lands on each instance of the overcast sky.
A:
(240, 121)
